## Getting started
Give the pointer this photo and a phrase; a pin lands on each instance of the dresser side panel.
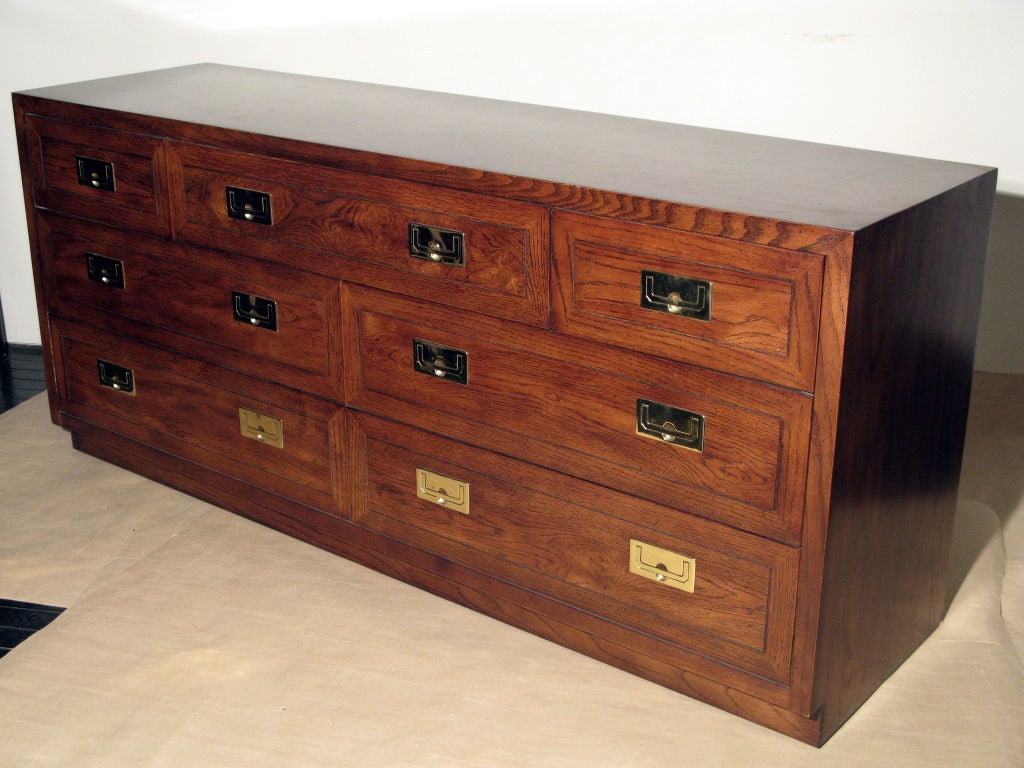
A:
(908, 362)
(25, 155)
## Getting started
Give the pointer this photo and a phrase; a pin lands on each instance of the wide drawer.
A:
(278, 440)
(725, 596)
(467, 250)
(498, 385)
(737, 307)
(98, 173)
(258, 318)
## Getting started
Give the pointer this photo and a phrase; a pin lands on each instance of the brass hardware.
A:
(443, 246)
(116, 377)
(663, 566)
(261, 427)
(670, 425)
(676, 295)
(253, 310)
(98, 174)
(103, 269)
(442, 490)
(442, 362)
(249, 205)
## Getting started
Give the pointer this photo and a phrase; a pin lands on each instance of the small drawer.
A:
(98, 173)
(263, 320)
(485, 254)
(211, 417)
(741, 308)
(726, 596)
(731, 450)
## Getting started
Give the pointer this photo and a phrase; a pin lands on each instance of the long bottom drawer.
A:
(699, 595)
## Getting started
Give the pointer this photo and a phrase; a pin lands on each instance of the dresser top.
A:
(794, 181)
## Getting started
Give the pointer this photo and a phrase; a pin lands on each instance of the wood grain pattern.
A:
(764, 302)
(189, 292)
(563, 538)
(139, 197)
(833, 375)
(898, 449)
(368, 219)
(527, 609)
(192, 418)
(750, 472)
(456, 138)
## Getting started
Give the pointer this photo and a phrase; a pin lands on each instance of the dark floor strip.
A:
(19, 621)
(21, 375)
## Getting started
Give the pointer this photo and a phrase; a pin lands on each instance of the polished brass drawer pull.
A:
(443, 246)
(98, 174)
(675, 295)
(670, 425)
(443, 490)
(663, 566)
(254, 310)
(259, 426)
(249, 205)
(443, 362)
(116, 377)
(103, 269)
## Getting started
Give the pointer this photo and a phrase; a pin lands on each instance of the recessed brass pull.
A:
(675, 295)
(442, 362)
(254, 310)
(443, 490)
(116, 377)
(670, 425)
(661, 565)
(442, 246)
(103, 269)
(95, 173)
(249, 205)
(260, 427)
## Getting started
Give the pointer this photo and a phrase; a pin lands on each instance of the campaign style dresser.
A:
(687, 401)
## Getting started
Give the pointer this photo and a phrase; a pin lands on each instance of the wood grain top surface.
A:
(807, 183)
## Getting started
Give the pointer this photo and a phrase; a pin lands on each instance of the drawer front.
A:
(735, 307)
(260, 319)
(461, 249)
(101, 174)
(746, 469)
(159, 399)
(732, 600)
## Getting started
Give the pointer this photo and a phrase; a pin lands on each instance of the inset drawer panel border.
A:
(362, 228)
(740, 614)
(758, 305)
(137, 195)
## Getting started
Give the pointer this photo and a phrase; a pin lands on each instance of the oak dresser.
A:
(687, 401)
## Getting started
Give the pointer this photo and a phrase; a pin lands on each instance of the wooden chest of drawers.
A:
(687, 401)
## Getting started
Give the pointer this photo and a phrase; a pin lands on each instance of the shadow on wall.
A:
(992, 479)
(1000, 344)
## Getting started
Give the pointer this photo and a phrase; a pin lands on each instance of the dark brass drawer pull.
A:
(249, 205)
(98, 174)
(675, 295)
(670, 425)
(116, 377)
(254, 310)
(442, 362)
(103, 269)
(444, 246)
